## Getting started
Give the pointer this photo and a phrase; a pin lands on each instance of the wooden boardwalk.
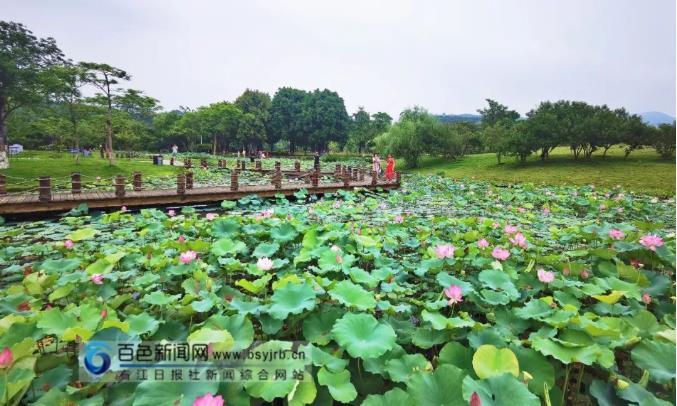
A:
(64, 201)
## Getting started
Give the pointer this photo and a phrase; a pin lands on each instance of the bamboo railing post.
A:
(187, 163)
(203, 163)
(354, 174)
(315, 177)
(3, 185)
(244, 165)
(258, 165)
(361, 177)
(297, 166)
(76, 185)
(171, 161)
(337, 170)
(374, 178)
(120, 186)
(138, 184)
(45, 188)
(233, 180)
(398, 177)
(277, 176)
(189, 180)
(346, 177)
(181, 184)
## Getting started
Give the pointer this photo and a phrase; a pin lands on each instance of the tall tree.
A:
(287, 116)
(72, 79)
(103, 76)
(255, 106)
(25, 73)
(325, 119)
(497, 112)
(361, 132)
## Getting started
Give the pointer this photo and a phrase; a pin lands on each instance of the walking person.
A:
(175, 150)
(390, 168)
(316, 159)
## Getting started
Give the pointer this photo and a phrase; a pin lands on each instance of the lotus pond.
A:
(441, 293)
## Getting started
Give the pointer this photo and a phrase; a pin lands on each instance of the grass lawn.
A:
(30, 165)
(643, 171)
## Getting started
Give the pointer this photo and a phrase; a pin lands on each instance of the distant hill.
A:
(656, 118)
(457, 118)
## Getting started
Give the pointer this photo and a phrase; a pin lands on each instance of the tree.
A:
(635, 134)
(25, 73)
(103, 76)
(361, 131)
(287, 117)
(325, 119)
(413, 136)
(137, 105)
(255, 106)
(495, 137)
(380, 122)
(72, 79)
(497, 112)
(664, 140)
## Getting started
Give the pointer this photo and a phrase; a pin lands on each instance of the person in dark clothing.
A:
(317, 159)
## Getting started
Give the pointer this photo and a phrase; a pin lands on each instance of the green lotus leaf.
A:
(339, 385)
(656, 357)
(284, 233)
(203, 306)
(142, 323)
(101, 266)
(226, 246)
(55, 321)
(82, 234)
(586, 355)
(225, 228)
(440, 322)
(159, 298)
(317, 326)
(363, 336)
(503, 389)
(401, 369)
(536, 365)
(60, 265)
(293, 298)
(266, 250)
(441, 387)
(352, 295)
(303, 392)
(222, 340)
(491, 361)
(154, 393)
(391, 398)
(321, 358)
(456, 354)
(239, 326)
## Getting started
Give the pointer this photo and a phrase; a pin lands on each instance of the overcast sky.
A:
(447, 56)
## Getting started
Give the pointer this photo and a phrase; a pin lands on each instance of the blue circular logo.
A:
(97, 358)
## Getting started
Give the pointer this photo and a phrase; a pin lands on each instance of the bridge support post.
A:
(277, 176)
(398, 178)
(189, 180)
(45, 188)
(337, 170)
(297, 166)
(76, 185)
(374, 178)
(315, 177)
(361, 175)
(354, 177)
(181, 184)
(187, 163)
(346, 177)
(137, 182)
(257, 165)
(120, 186)
(3, 185)
(244, 165)
(233, 180)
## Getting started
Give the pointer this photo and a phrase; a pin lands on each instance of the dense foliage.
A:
(439, 293)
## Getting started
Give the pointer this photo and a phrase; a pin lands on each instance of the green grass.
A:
(643, 171)
(30, 165)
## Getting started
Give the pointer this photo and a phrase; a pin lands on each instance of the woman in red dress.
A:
(390, 168)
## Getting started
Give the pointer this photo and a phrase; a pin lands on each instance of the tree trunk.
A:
(4, 161)
(214, 144)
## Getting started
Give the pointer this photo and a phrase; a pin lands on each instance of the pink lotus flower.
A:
(264, 264)
(545, 276)
(445, 251)
(602, 207)
(290, 217)
(546, 211)
(181, 239)
(6, 358)
(520, 240)
(311, 210)
(171, 213)
(635, 263)
(454, 294)
(566, 271)
(208, 400)
(187, 257)
(646, 298)
(495, 225)
(399, 219)
(475, 399)
(104, 313)
(339, 259)
(97, 279)
(509, 229)
(616, 234)
(483, 243)
(268, 213)
(382, 206)
(335, 248)
(337, 205)
(500, 253)
(68, 244)
(607, 195)
(620, 210)
(585, 274)
(521, 210)
(651, 241)
(123, 209)
(211, 216)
